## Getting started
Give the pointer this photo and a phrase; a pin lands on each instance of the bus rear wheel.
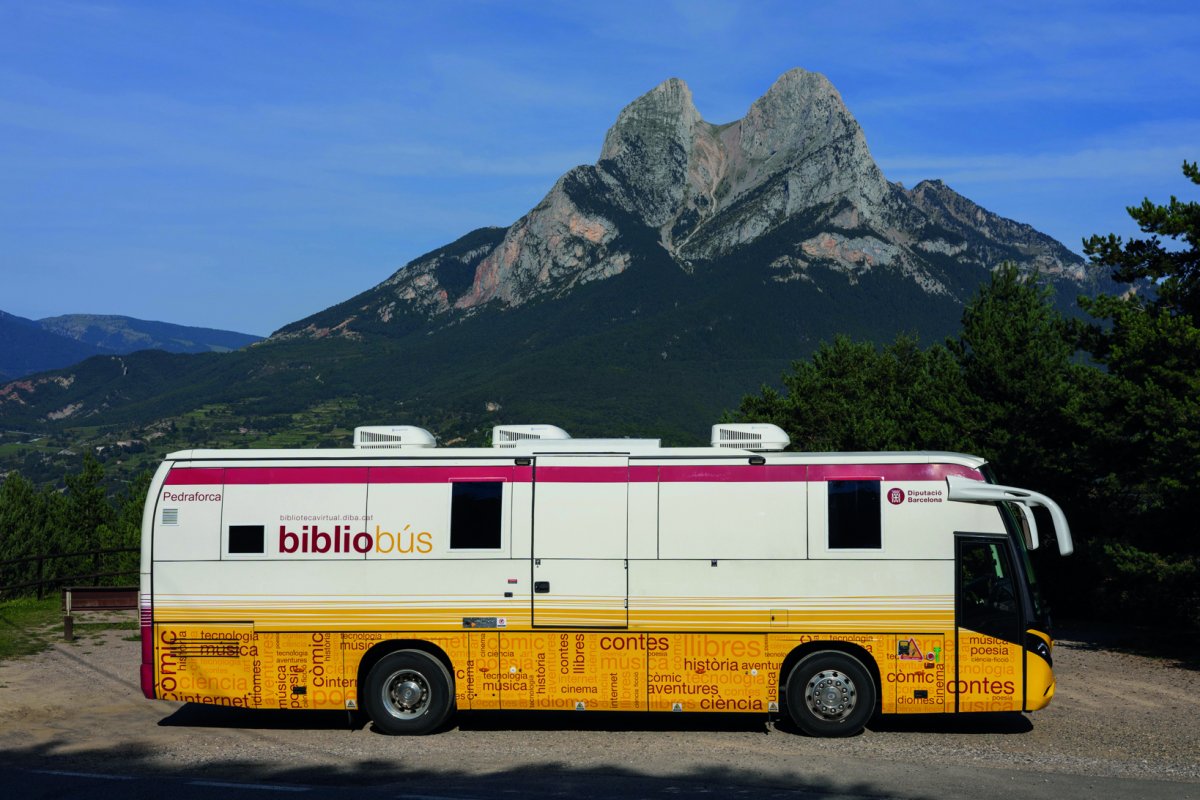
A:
(830, 694)
(409, 693)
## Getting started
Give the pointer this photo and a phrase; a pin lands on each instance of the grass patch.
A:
(27, 626)
(92, 633)
(96, 627)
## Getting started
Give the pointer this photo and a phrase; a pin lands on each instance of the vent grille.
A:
(514, 436)
(392, 437)
(753, 436)
(740, 436)
(170, 516)
(510, 435)
(371, 437)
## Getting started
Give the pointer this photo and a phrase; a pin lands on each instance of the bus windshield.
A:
(1014, 523)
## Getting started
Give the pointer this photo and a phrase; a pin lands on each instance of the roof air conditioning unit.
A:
(755, 436)
(392, 437)
(513, 435)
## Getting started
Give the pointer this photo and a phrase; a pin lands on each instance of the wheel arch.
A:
(388, 646)
(856, 651)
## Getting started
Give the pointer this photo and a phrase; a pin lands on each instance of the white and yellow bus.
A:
(407, 580)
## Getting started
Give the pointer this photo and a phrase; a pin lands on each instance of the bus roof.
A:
(636, 448)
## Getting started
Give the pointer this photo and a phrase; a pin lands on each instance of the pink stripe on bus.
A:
(732, 473)
(582, 474)
(293, 475)
(147, 675)
(195, 476)
(889, 472)
(642, 474)
(440, 474)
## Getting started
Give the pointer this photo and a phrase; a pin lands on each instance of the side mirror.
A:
(1030, 527)
(972, 491)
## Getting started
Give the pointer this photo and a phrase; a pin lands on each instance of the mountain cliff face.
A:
(794, 174)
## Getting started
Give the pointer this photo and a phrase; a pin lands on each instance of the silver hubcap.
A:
(831, 695)
(406, 694)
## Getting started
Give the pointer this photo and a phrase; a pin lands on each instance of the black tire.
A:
(409, 693)
(830, 694)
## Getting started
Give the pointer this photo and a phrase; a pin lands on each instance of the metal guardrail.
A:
(42, 583)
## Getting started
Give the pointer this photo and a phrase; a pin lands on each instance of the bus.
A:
(406, 581)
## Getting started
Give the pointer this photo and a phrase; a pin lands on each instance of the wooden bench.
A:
(95, 598)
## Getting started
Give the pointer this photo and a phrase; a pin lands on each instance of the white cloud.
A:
(1151, 151)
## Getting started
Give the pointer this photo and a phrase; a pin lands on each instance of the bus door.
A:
(989, 631)
(580, 520)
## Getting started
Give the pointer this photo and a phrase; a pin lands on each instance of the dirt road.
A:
(1123, 723)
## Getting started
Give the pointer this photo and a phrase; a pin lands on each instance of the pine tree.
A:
(84, 512)
(22, 527)
(1148, 450)
(1015, 352)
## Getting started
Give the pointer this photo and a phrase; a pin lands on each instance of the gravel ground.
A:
(1117, 714)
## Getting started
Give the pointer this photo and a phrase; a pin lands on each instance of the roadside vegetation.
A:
(85, 517)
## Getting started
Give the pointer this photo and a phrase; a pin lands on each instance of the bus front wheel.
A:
(409, 693)
(830, 693)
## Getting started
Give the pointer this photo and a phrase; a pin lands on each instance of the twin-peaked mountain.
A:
(787, 194)
(643, 295)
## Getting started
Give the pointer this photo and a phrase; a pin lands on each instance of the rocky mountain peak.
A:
(797, 148)
(799, 112)
(663, 117)
(648, 149)
(794, 172)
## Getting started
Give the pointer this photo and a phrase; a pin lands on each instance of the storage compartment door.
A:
(580, 527)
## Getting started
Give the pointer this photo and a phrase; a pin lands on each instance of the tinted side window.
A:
(475, 515)
(246, 539)
(854, 515)
(987, 597)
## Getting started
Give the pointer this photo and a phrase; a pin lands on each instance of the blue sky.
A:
(244, 164)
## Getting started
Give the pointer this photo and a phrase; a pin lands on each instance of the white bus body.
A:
(551, 573)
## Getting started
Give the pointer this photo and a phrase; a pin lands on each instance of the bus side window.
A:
(475, 515)
(246, 539)
(854, 515)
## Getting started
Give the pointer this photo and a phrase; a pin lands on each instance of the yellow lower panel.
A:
(623, 671)
(235, 665)
(913, 674)
(1039, 677)
(712, 672)
(567, 670)
(989, 673)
